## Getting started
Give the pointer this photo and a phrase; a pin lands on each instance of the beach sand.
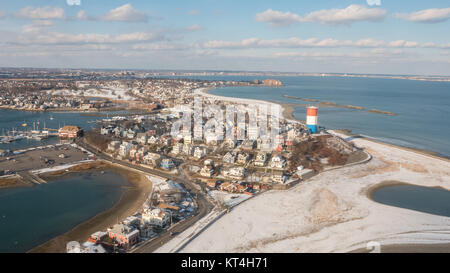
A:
(131, 201)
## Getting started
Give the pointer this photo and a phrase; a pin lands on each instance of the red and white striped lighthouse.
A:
(312, 118)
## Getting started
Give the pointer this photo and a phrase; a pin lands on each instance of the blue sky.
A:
(366, 36)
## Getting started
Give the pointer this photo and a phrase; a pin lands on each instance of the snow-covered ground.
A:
(60, 167)
(230, 199)
(331, 211)
(114, 93)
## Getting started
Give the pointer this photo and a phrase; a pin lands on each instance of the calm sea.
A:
(34, 215)
(422, 108)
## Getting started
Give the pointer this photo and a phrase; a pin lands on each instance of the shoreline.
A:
(288, 114)
(396, 228)
(131, 201)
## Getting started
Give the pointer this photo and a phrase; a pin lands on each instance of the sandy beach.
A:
(333, 211)
(131, 201)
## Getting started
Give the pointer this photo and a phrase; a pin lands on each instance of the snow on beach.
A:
(250, 102)
(331, 212)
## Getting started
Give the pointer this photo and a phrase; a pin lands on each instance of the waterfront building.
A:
(125, 148)
(70, 132)
(152, 159)
(126, 236)
(167, 164)
(156, 217)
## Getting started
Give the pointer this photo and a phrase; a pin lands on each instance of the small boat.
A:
(52, 118)
(24, 125)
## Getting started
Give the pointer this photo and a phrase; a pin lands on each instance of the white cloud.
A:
(278, 18)
(351, 14)
(193, 12)
(376, 52)
(2, 14)
(43, 23)
(428, 45)
(90, 38)
(374, 2)
(346, 16)
(159, 46)
(125, 13)
(292, 42)
(47, 12)
(194, 28)
(73, 2)
(445, 46)
(426, 16)
(403, 43)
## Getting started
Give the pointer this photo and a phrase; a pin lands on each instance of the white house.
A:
(229, 158)
(152, 159)
(177, 148)
(141, 138)
(157, 217)
(236, 173)
(125, 148)
(200, 152)
(278, 162)
(153, 140)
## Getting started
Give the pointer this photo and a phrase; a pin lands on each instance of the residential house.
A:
(261, 159)
(235, 172)
(231, 187)
(125, 148)
(243, 158)
(156, 217)
(200, 152)
(187, 149)
(207, 171)
(230, 143)
(278, 162)
(167, 164)
(152, 159)
(141, 138)
(153, 140)
(229, 157)
(126, 236)
(248, 144)
(177, 148)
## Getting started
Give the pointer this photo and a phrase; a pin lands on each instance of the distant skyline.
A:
(337, 36)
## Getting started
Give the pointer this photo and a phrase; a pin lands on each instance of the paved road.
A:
(204, 206)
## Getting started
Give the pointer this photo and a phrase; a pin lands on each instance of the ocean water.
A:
(422, 108)
(13, 120)
(33, 215)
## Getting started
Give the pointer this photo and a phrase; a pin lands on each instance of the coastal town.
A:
(192, 157)
(225, 171)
